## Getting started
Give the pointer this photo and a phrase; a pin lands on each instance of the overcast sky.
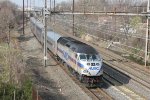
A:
(40, 3)
(37, 2)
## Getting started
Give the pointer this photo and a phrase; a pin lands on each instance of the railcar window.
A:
(76, 55)
(98, 57)
(63, 41)
(67, 45)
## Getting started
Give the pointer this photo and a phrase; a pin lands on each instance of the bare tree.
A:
(13, 66)
(7, 17)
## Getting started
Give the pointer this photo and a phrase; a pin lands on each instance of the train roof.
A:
(32, 19)
(37, 22)
(40, 25)
(53, 35)
(76, 45)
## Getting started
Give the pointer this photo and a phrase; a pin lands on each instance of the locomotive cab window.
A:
(82, 57)
(67, 45)
(76, 55)
(89, 57)
(73, 49)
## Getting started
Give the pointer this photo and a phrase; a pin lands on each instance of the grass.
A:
(137, 60)
(11, 56)
(133, 58)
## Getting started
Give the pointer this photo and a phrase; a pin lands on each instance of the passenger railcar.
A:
(37, 28)
(82, 58)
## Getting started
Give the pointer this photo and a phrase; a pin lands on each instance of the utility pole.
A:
(27, 13)
(54, 12)
(73, 18)
(45, 33)
(50, 9)
(147, 35)
(54, 6)
(23, 17)
(30, 6)
(27, 8)
(50, 5)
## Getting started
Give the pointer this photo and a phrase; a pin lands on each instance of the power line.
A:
(102, 13)
(126, 50)
(120, 44)
(108, 13)
(108, 28)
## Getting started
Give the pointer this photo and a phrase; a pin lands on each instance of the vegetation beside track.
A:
(13, 81)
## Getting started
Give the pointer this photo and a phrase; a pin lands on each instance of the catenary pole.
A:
(27, 10)
(23, 18)
(45, 34)
(50, 8)
(30, 6)
(73, 17)
(147, 35)
(27, 7)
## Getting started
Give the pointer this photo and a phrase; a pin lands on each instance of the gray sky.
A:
(39, 3)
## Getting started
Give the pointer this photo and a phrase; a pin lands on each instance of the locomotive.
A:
(83, 59)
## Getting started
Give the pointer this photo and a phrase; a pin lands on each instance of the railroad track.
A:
(134, 77)
(133, 66)
(101, 94)
(126, 90)
(94, 93)
(116, 78)
(111, 81)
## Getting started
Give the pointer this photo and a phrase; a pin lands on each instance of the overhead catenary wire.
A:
(125, 45)
(126, 49)
(97, 29)
(110, 12)
(121, 33)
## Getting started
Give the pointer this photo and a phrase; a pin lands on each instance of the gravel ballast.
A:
(51, 82)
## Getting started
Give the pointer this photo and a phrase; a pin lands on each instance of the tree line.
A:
(14, 83)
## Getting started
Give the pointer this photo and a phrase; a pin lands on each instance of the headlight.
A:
(88, 64)
(85, 71)
(97, 64)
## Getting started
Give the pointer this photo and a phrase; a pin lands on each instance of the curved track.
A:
(94, 93)
(132, 76)
(113, 60)
(111, 81)
(124, 89)
(100, 94)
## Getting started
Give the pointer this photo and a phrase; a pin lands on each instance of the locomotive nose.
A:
(94, 68)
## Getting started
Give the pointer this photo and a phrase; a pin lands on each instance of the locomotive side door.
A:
(77, 60)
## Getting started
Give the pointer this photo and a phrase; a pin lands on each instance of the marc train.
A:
(83, 59)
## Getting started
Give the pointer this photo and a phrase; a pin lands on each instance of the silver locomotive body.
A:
(82, 58)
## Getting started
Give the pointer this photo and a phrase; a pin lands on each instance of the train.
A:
(84, 61)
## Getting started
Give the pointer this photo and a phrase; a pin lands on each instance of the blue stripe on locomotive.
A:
(80, 65)
(71, 59)
(60, 50)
